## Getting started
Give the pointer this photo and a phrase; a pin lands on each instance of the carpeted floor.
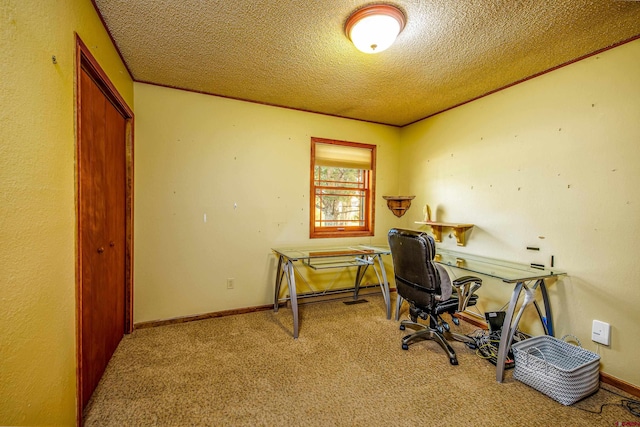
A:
(346, 369)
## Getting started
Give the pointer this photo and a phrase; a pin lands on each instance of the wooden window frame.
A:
(369, 210)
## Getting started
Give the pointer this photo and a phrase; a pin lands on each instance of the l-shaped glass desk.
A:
(361, 256)
(525, 279)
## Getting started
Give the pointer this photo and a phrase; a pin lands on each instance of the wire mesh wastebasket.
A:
(562, 371)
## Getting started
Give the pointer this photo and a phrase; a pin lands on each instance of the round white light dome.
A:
(374, 28)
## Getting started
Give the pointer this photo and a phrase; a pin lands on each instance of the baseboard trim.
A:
(364, 291)
(213, 315)
(474, 320)
(340, 295)
(618, 383)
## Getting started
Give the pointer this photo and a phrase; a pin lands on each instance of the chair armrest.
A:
(466, 279)
(465, 287)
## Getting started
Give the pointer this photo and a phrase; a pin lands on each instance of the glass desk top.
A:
(296, 254)
(509, 272)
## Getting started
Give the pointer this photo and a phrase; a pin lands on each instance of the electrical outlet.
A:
(231, 283)
(601, 332)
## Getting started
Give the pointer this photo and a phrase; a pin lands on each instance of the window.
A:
(342, 188)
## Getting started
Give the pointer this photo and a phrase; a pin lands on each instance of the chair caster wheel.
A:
(456, 321)
(402, 327)
(453, 361)
(406, 347)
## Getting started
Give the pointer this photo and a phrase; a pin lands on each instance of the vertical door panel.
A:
(92, 228)
(115, 196)
(102, 180)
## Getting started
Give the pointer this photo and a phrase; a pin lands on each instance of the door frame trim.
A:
(87, 62)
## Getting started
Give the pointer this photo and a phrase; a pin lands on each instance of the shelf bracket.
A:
(460, 234)
(398, 204)
(459, 230)
(437, 232)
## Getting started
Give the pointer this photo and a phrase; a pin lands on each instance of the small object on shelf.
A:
(427, 213)
(398, 204)
(458, 230)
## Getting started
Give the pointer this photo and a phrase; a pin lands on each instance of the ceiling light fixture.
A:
(374, 28)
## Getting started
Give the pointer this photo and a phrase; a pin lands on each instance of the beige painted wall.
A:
(553, 162)
(246, 167)
(555, 157)
(37, 207)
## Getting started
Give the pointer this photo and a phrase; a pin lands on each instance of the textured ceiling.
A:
(295, 54)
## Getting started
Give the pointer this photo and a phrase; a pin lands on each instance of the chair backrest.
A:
(412, 253)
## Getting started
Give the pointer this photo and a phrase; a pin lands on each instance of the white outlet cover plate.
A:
(601, 332)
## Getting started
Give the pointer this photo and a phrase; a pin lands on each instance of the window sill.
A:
(333, 234)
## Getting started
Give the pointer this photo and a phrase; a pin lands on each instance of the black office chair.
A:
(423, 284)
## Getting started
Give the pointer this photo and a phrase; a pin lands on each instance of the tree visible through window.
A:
(342, 188)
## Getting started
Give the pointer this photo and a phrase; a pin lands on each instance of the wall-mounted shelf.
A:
(458, 230)
(398, 204)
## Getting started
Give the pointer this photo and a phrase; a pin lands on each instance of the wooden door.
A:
(104, 310)
(115, 222)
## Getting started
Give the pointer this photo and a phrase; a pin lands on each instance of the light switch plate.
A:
(601, 332)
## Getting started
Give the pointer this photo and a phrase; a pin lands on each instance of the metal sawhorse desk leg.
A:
(381, 275)
(510, 326)
(286, 269)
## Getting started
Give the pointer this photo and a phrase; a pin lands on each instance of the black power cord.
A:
(632, 406)
(486, 344)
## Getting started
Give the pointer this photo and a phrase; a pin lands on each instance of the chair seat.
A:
(451, 305)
